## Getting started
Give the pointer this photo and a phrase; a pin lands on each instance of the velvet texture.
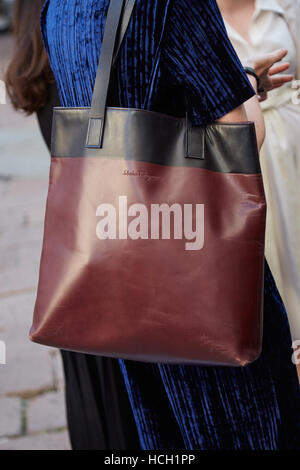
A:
(177, 57)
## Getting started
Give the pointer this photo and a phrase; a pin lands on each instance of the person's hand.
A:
(270, 75)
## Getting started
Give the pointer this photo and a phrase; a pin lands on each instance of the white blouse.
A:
(268, 31)
(280, 155)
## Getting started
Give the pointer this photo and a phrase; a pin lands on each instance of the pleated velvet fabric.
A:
(176, 57)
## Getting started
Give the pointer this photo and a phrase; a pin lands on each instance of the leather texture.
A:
(126, 16)
(135, 134)
(149, 299)
(97, 112)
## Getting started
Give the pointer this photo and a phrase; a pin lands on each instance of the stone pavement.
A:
(32, 409)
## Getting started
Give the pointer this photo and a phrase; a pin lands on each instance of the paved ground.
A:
(32, 412)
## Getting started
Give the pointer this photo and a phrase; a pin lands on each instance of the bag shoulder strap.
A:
(107, 61)
(126, 17)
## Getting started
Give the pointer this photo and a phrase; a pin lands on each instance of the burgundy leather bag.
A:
(154, 233)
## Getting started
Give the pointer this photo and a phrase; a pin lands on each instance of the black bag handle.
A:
(126, 17)
(117, 9)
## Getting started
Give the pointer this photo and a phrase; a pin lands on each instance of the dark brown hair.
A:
(28, 74)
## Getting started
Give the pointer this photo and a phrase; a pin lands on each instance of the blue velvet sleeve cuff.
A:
(200, 57)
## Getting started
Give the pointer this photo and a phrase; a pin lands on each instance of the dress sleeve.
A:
(200, 57)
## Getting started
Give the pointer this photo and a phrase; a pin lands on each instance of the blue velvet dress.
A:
(176, 56)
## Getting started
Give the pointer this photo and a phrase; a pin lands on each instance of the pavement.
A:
(32, 408)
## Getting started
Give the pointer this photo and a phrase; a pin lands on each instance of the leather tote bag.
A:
(154, 232)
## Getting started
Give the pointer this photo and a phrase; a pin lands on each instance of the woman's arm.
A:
(270, 77)
(249, 111)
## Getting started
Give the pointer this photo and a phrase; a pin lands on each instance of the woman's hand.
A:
(268, 72)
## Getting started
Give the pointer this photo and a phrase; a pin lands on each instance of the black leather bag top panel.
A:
(149, 136)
